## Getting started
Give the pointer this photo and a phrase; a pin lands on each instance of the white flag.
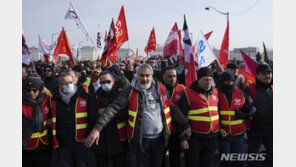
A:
(72, 14)
(100, 42)
(45, 49)
(205, 53)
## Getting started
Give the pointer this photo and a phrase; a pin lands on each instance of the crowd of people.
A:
(135, 114)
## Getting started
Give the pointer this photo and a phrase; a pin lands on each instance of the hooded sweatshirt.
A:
(152, 121)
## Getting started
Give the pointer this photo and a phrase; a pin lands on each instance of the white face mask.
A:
(106, 87)
(69, 88)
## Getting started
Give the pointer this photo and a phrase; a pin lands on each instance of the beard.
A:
(145, 87)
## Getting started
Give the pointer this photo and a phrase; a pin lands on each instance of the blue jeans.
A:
(255, 139)
(231, 144)
(76, 155)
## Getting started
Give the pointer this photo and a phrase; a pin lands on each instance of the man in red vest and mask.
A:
(234, 108)
(199, 103)
(150, 113)
(35, 122)
(113, 142)
(69, 121)
(174, 90)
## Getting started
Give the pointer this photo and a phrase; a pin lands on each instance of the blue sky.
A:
(45, 17)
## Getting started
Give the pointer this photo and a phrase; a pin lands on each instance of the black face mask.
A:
(226, 88)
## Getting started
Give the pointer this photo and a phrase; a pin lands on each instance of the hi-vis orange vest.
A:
(36, 136)
(133, 110)
(203, 114)
(230, 124)
(176, 95)
(80, 119)
(121, 126)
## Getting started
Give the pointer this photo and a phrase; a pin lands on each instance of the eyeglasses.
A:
(103, 82)
(29, 90)
(47, 70)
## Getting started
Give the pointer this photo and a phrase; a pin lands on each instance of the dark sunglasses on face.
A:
(47, 70)
(29, 90)
(103, 82)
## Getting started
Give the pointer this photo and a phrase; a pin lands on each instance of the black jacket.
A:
(109, 143)
(122, 101)
(65, 117)
(51, 83)
(184, 107)
(262, 121)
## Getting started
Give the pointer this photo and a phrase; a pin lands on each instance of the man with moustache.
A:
(150, 113)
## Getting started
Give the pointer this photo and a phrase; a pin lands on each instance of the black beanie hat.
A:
(204, 71)
(263, 68)
(115, 70)
(225, 76)
(34, 81)
(232, 66)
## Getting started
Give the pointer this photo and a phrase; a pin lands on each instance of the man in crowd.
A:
(36, 140)
(149, 118)
(156, 73)
(260, 127)
(233, 68)
(24, 75)
(69, 118)
(234, 108)
(113, 142)
(83, 80)
(120, 80)
(199, 103)
(174, 91)
(129, 72)
(50, 81)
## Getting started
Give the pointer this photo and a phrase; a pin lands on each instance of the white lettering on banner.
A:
(241, 76)
(46, 110)
(204, 51)
(243, 157)
(237, 102)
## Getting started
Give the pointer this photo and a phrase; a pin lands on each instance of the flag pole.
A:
(96, 49)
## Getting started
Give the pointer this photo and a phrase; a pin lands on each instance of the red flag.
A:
(190, 73)
(121, 29)
(181, 50)
(250, 64)
(207, 35)
(224, 50)
(105, 39)
(171, 45)
(26, 58)
(245, 77)
(63, 47)
(110, 47)
(151, 44)
(46, 58)
(132, 59)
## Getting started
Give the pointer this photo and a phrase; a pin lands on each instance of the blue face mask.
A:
(69, 88)
(106, 87)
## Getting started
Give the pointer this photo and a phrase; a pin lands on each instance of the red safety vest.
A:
(80, 119)
(36, 136)
(133, 110)
(203, 114)
(176, 95)
(230, 124)
(121, 126)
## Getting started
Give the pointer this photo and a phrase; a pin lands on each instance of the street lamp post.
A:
(52, 37)
(227, 21)
(224, 13)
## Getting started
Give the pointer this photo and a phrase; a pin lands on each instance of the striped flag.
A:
(190, 73)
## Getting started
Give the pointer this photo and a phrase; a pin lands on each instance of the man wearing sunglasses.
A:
(150, 113)
(113, 143)
(69, 121)
(50, 81)
(35, 122)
